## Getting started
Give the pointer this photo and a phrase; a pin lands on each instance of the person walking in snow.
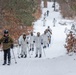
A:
(47, 12)
(49, 29)
(38, 43)
(7, 43)
(44, 21)
(23, 42)
(54, 22)
(45, 40)
(31, 42)
(48, 33)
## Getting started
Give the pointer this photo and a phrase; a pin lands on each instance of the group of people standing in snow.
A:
(31, 43)
(71, 42)
(28, 43)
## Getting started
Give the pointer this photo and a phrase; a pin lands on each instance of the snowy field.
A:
(56, 61)
(65, 65)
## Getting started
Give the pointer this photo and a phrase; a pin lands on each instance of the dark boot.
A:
(25, 56)
(36, 55)
(32, 49)
(44, 47)
(18, 56)
(40, 56)
(21, 56)
(4, 63)
(8, 62)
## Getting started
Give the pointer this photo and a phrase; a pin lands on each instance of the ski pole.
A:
(44, 53)
(29, 51)
(1, 54)
(18, 51)
(14, 56)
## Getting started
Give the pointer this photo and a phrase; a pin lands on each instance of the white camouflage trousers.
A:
(38, 50)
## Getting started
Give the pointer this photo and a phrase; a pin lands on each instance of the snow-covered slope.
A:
(65, 65)
(56, 62)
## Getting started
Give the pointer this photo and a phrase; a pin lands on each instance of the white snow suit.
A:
(45, 40)
(31, 42)
(49, 36)
(38, 43)
(24, 45)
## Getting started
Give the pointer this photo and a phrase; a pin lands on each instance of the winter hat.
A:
(31, 33)
(5, 31)
(38, 33)
(24, 34)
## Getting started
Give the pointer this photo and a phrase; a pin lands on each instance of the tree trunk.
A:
(39, 1)
(45, 3)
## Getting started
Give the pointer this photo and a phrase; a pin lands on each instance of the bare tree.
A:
(45, 3)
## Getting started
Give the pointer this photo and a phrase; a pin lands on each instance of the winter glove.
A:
(33, 41)
(12, 46)
(19, 44)
(41, 43)
(27, 43)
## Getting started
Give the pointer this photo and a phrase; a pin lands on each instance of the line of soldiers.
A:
(71, 42)
(33, 43)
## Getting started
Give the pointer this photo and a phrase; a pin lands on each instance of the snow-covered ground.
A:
(56, 61)
(65, 65)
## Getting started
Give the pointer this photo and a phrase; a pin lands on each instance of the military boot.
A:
(4, 63)
(36, 55)
(40, 56)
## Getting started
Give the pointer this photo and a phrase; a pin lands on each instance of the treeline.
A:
(23, 9)
(68, 8)
(17, 15)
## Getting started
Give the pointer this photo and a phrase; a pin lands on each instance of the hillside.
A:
(18, 15)
(68, 8)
